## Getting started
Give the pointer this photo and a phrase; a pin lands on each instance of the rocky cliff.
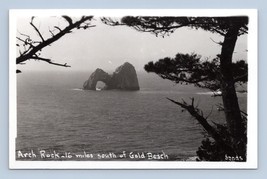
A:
(124, 78)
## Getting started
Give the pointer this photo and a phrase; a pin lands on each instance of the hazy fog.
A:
(108, 47)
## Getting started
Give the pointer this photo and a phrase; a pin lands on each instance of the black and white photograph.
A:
(141, 89)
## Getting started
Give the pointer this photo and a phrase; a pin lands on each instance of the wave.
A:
(77, 89)
(210, 93)
(219, 92)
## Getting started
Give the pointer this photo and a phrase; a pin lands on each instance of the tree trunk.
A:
(231, 107)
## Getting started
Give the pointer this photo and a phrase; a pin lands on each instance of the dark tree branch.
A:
(50, 61)
(218, 31)
(36, 29)
(244, 113)
(32, 52)
(26, 42)
(166, 25)
(178, 79)
(52, 34)
(56, 27)
(156, 28)
(24, 34)
(198, 115)
(20, 39)
(209, 113)
(68, 19)
(202, 120)
(219, 43)
(220, 107)
(190, 69)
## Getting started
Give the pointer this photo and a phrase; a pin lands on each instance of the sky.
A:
(108, 47)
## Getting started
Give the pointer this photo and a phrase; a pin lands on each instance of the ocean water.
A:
(55, 116)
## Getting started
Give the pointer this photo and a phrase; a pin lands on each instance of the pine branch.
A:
(203, 121)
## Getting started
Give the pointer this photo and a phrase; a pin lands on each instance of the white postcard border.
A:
(252, 150)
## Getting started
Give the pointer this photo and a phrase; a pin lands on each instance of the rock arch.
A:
(97, 75)
(100, 85)
(124, 78)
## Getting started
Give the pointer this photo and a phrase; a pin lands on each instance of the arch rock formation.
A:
(124, 78)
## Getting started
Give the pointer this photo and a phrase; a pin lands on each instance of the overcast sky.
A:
(108, 47)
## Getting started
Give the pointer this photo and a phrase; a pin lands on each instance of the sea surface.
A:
(55, 117)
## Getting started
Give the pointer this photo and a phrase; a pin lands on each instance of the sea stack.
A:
(124, 78)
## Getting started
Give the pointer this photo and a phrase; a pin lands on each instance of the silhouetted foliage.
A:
(218, 74)
(189, 68)
(168, 24)
(31, 48)
(212, 150)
